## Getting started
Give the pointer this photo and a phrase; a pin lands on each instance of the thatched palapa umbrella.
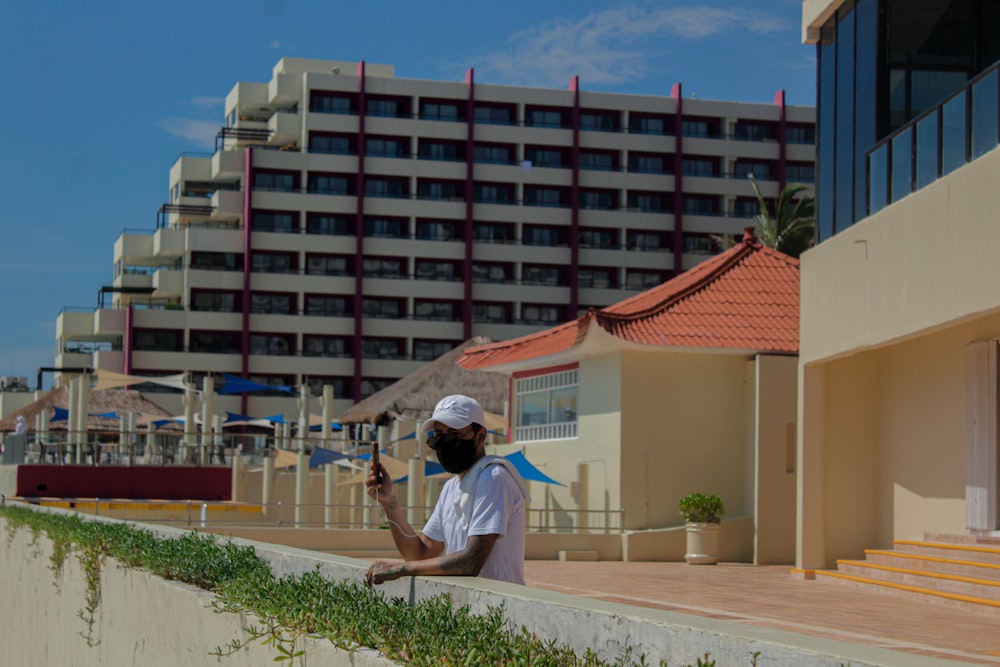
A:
(413, 397)
(102, 401)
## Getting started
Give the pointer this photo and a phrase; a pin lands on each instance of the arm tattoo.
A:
(470, 560)
(393, 503)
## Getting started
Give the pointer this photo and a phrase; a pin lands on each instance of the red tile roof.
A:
(746, 298)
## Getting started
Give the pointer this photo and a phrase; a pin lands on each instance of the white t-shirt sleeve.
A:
(495, 495)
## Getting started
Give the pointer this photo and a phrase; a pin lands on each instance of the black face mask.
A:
(454, 454)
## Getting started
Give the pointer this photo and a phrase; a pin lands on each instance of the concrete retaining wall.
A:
(144, 620)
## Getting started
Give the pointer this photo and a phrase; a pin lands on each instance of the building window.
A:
(637, 279)
(438, 230)
(275, 181)
(493, 153)
(604, 200)
(546, 406)
(325, 346)
(391, 107)
(760, 170)
(274, 221)
(216, 342)
(371, 386)
(328, 265)
(597, 238)
(446, 151)
(217, 261)
(540, 274)
(428, 350)
(447, 110)
(436, 269)
(800, 134)
(383, 267)
(648, 202)
(753, 131)
(382, 348)
(801, 173)
(696, 205)
(272, 344)
(330, 184)
(492, 272)
(329, 225)
(599, 121)
(274, 262)
(546, 117)
(387, 147)
(385, 228)
(643, 240)
(540, 314)
(745, 207)
(158, 340)
(492, 232)
(648, 163)
(317, 382)
(424, 309)
(440, 190)
(274, 303)
(704, 127)
(215, 301)
(599, 160)
(546, 156)
(322, 102)
(639, 123)
(494, 114)
(700, 167)
(382, 308)
(386, 187)
(544, 236)
(326, 305)
(699, 244)
(599, 277)
(336, 144)
(493, 193)
(541, 196)
(494, 313)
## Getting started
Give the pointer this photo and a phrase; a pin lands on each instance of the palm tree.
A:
(792, 228)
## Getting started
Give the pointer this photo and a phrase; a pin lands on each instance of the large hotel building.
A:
(351, 226)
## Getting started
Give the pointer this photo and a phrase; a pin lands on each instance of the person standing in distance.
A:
(478, 524)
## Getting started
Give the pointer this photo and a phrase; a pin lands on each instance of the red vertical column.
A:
(359, 235)
(574, 221)
(247, 264)
(677, 238)
(467, 235)
(779, 101)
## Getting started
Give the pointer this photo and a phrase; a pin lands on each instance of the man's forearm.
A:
(408, 541)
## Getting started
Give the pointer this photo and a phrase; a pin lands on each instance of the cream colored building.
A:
(900, 314)
(351, 225)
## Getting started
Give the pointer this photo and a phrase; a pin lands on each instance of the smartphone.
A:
(375, 463)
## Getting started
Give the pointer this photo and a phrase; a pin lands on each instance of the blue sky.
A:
(101, 97)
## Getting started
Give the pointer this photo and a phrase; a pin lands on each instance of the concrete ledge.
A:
(566, 555)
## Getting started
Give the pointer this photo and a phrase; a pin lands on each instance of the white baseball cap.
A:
(456, 411)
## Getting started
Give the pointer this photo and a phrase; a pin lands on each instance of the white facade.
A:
(352, 226)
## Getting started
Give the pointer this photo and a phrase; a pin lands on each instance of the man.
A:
(478, 524)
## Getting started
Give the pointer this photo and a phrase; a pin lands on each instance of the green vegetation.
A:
(288, 609)
(702, 508)
(792, 227)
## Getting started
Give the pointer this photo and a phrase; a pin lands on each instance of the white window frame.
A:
(547, 384)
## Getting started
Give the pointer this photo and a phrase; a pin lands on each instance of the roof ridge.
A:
(711, 270)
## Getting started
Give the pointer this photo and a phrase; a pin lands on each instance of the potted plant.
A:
(703, 514)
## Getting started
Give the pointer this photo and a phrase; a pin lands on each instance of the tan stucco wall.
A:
(888, 307)
(772, 462)
(682, 432)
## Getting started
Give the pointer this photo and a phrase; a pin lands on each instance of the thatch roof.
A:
(101, 401)
(414, 396)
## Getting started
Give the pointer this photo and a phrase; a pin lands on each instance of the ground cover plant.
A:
(289, 608)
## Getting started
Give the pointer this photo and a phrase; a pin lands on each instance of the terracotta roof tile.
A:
(746, 298)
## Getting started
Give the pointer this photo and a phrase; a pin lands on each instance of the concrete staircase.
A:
(960, 571)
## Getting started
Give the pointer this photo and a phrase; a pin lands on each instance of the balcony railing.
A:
(947, 136)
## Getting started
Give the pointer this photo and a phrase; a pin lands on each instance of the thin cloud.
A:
(208, 102)
(199, 132)
(613, 46)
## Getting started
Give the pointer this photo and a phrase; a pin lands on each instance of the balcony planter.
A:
(703, 514)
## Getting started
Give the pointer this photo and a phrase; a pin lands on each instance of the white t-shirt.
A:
(497, 508)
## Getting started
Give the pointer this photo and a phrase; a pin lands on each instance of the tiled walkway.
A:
(769, 596)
